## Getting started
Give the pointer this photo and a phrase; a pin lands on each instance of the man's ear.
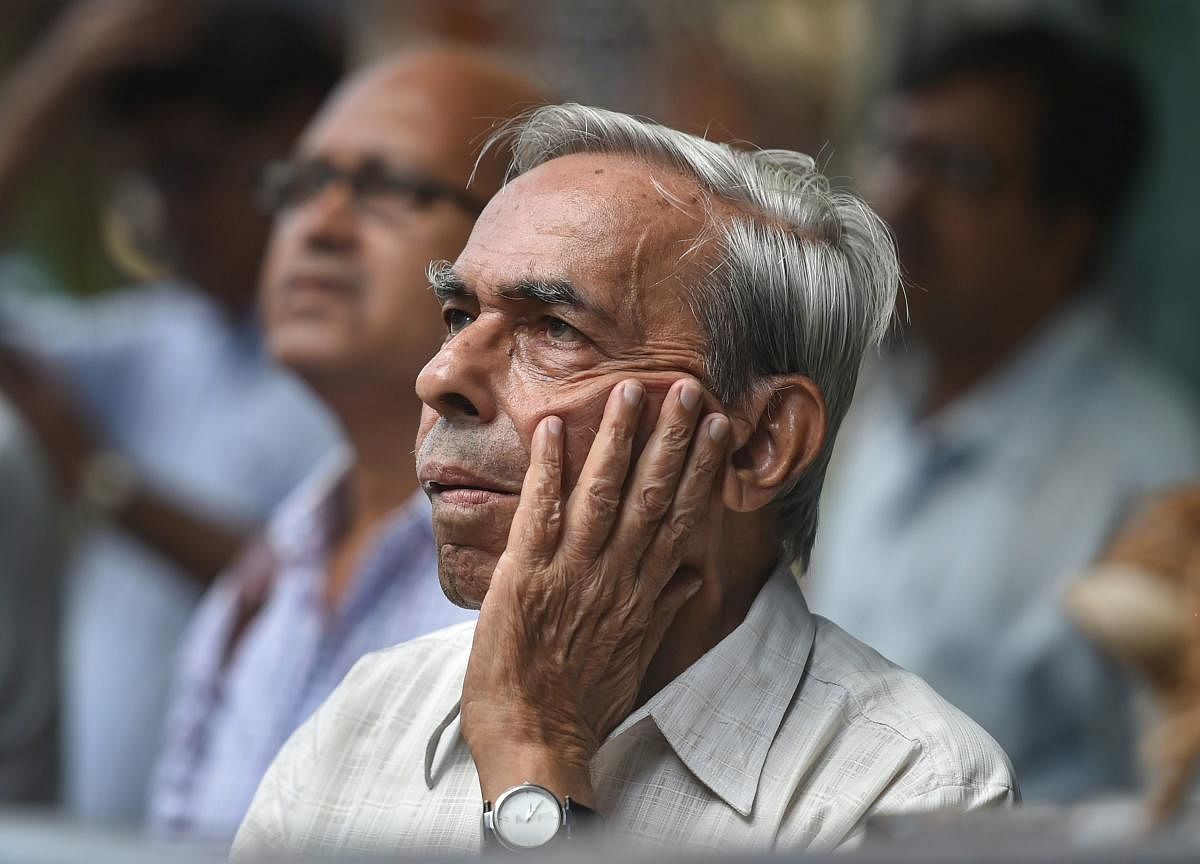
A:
(778, 435)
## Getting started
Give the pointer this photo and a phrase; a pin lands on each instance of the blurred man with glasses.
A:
(154, 403)
(1014, 424)
(376, 189)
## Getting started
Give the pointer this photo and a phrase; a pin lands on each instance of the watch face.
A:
(527, 816)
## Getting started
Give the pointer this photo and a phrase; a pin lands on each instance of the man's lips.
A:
(456, 485)
(320, 282)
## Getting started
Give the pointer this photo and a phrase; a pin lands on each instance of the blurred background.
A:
(85, 213)
(777, 73)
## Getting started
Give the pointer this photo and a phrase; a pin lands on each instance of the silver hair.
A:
(805, 279)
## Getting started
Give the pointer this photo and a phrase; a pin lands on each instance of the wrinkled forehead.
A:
(631, 234)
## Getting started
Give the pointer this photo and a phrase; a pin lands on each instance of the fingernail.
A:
(633, 393)
(718, 428)
(689, 395)
(554, 427)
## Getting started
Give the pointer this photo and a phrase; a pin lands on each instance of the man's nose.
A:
(458, 382)
(329, 219)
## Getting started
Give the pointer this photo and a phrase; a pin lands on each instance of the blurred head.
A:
(625, 249)
(376, 188)
(1002, 160)
(200, 123)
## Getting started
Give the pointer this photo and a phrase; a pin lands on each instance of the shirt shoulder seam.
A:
(938, 780)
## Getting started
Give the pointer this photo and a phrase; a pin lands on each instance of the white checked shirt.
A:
(787, 734)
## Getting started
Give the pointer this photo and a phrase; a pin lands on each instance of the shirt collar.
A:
(302, 534)
(1028, 386)
(301, 530)
(722, 714)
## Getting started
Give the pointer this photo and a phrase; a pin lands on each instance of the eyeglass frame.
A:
(963, 168)
(423, 191)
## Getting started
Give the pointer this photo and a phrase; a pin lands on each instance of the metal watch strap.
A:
(490, 840)
(580, 823)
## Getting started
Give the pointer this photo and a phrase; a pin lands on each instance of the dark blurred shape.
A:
(244, 60)
(31, 558)
(247, 75)
(1091, 129)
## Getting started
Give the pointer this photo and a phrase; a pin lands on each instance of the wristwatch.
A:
(530, 817)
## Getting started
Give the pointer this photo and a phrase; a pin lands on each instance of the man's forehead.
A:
(394, 114)
(376, 114)
(619, 227)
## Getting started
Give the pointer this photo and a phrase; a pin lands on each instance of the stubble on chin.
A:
(465, 574)
(469, 548)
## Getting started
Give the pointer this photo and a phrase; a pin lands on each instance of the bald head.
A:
(447, 101)
(344, 292)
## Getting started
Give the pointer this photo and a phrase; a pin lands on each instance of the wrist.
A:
(503, 762)
(542, 727)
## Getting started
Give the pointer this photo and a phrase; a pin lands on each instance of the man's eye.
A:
(561, 331)
(456, 320)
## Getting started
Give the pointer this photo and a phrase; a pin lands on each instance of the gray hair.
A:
(804, 282)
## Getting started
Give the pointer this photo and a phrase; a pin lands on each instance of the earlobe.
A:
(781, 434)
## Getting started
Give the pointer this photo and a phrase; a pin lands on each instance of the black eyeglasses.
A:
(961, 167)
(373, 186)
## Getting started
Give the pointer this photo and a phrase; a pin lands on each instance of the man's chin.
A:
(465, 573)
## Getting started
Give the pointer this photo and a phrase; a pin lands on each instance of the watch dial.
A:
(528, 818)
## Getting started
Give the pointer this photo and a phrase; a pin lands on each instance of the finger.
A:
(679, 590)
(652, 487)
(592, 508)
(535, 526)
(689, 508)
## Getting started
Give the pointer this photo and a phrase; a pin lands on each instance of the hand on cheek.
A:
(587, 586)
(582, 414)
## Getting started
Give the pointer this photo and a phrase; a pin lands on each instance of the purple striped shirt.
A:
(264, 650)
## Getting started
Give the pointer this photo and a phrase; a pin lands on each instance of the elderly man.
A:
(643, 657)
(1016, 425)
(375, 188)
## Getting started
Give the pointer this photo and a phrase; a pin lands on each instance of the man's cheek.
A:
(583, 415)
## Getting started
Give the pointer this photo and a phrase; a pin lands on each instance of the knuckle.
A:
(708, 461)
(677, 436)
(653, 500)
(546, 489)
(622, 432)
(544, 517)
(602, 499)
(551, 517)
(676, 531)
(577, 561)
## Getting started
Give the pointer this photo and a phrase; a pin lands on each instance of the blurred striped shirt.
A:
(264, 650)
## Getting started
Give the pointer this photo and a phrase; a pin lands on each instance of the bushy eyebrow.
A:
(445, 283)
(552, 292)
(448, 285)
